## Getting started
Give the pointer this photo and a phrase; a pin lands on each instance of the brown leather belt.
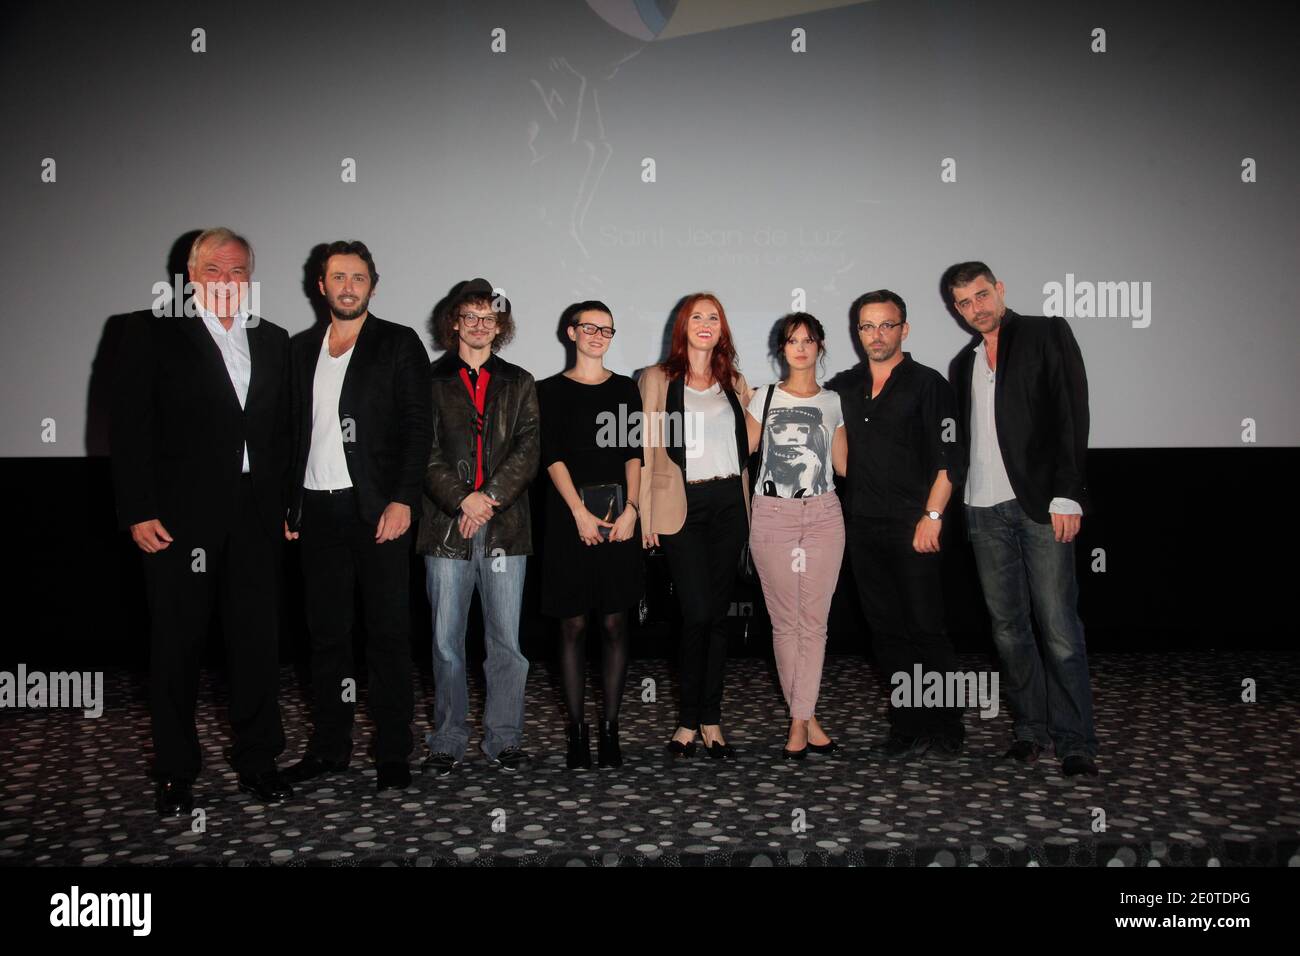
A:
(705, 481)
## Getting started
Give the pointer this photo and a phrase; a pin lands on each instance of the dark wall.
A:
(1196, 557)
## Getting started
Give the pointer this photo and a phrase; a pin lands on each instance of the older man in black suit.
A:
(200, 447)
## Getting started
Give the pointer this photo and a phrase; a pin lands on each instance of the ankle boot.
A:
(579, 755)
(608, 753)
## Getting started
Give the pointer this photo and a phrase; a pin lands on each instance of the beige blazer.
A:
(663, 486)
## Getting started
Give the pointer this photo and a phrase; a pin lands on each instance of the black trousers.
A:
(901, 592)
(703, 558)
(236, 573)
(340, 557)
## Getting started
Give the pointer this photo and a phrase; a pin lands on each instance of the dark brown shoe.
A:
(1076, 764)
(1024, 751)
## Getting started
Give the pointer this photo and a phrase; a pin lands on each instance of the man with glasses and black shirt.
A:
(898, 414)
(476, 531)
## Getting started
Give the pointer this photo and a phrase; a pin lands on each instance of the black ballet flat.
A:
(679, 750)
(829, 748)
(718, 750)
(795, 754)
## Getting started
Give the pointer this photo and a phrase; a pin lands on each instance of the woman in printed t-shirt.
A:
(797, 531)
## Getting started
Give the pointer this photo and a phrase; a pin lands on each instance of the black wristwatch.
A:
(934, 515)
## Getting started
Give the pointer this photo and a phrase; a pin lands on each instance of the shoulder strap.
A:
(762, 438)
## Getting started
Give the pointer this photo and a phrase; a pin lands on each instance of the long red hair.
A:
(722, 360)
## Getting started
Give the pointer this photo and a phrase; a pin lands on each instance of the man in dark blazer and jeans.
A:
(362, 428)
(200, 447)
(1023, 425)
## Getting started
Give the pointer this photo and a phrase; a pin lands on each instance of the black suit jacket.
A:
(384, 402)
(178, 432)
(1040, 409)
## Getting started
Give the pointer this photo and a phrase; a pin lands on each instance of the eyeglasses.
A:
(606, 330)
(470, 319)
(883, 326)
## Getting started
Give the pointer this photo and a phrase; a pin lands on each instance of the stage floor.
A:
(1190, 775)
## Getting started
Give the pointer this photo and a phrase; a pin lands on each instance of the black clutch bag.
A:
(604, 501)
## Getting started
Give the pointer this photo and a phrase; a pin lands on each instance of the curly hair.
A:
(446, 316)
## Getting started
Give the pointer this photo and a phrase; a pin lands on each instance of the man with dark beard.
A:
(363, 426)
(1022, 392)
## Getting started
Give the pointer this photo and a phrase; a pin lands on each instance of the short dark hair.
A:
(964, 273)
(879, 297)
(353, 247)
(590, 305)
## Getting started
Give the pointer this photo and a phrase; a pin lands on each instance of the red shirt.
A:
(476, 385)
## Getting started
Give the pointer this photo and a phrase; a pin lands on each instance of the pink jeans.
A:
(798, 545)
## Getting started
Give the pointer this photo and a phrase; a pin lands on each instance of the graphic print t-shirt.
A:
(796, 444)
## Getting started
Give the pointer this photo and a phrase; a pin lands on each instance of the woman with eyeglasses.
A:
(797, 535)
(593, 554)
(696, 501)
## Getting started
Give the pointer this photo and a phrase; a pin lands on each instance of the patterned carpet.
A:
(1191, 776)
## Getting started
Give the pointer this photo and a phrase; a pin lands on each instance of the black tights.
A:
(573, 663)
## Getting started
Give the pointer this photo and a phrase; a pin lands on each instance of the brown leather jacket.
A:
(511, 454)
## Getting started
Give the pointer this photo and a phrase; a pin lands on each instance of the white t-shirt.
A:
(796, 443)
(709, 434)
(327, 466)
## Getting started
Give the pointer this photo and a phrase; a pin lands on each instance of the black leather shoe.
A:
(678, 750)
(608, 752)
(579, 753)
(795, 754)
(1025, 751)
(1076, 764)
(898, 746)
(392, 775)
(439, 763)
(514, 759)
(309, 767)
(268, 786)
(173, 798)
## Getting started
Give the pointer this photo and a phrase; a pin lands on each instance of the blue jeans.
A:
(450, 583)
(1022, 565)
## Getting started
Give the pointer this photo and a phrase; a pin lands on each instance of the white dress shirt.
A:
(233, 343)
(987, 483)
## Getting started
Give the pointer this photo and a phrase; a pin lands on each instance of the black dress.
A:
(577, 578)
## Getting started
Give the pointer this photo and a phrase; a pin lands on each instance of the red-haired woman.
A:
(695, 500)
